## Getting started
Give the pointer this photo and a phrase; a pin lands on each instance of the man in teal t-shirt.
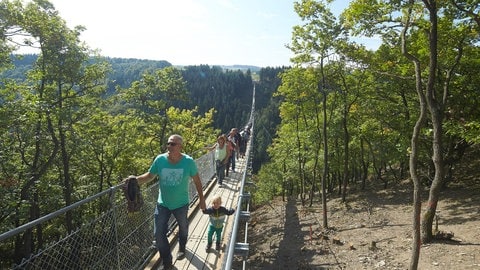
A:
(174, 170)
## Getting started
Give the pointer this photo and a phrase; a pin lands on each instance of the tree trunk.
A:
(364, 165)
(417, 203)
(435, 188)
(436, 111)
(417, 200)
(346, 142)
(325, 160)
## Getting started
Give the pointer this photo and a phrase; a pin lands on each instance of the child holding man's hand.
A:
(217, 214)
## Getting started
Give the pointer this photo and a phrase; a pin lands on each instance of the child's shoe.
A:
(217, 247)
(207, 248)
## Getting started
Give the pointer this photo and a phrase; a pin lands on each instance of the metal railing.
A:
(235, 246)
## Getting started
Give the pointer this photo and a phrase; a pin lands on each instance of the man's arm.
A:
(198, 185)
(145, 178)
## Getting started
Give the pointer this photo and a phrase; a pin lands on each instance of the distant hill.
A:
(125, 70)
(253, 69)
(243, 67)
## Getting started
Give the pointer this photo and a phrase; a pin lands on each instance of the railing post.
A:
(115, 225)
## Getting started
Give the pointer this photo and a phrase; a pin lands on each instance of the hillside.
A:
(372, 231)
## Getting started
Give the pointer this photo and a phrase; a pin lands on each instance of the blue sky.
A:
(188, 32)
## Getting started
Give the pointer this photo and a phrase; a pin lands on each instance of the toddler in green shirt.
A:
(217, 214)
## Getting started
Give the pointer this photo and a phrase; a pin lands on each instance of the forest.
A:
(74, 123)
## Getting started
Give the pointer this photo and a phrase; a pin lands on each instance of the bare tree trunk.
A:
(417, 203)
(300, 186)
(436, 111)
(346, 142)
(364, 164)
(325, 160)
(436, 103)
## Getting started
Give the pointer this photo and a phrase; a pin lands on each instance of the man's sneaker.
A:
(207, 248)
(180, 254)
(217, 247)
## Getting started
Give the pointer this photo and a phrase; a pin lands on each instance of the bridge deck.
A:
(196, 255)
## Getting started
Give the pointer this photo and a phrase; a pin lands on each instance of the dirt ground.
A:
(373, 230)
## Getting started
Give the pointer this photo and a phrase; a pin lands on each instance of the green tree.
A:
(414, 27)
(52, 101)
(317, 44)
(151, 97)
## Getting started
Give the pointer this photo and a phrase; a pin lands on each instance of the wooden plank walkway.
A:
(196, 255)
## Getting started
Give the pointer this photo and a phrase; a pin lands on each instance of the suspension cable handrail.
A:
(243, 197)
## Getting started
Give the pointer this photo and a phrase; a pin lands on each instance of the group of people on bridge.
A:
(173, 171)
(228, 148)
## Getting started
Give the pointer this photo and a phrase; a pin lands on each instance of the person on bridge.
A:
(243, 142)
(174, 170)
(217, 214)
(233, 140)
(222, 154)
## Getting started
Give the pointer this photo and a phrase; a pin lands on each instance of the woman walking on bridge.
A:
(222, 154)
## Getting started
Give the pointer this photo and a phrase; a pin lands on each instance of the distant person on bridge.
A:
(234, 143)
(217, 214)
(222, 154)
(243, 142)
(174, 170)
